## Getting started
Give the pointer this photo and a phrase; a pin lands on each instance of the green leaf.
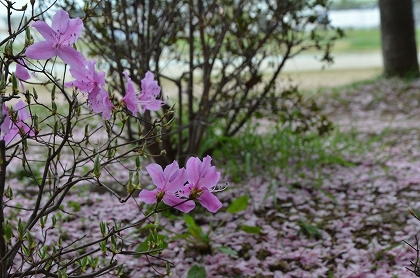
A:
(251, 229)
(238, 205)
(153, 241)
(227, 250)
(197, 272)
(193, 228)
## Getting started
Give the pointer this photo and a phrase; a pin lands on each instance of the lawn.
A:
(363, 40)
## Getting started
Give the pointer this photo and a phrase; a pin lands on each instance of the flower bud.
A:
(35, 93)
(28, 37)
(14, 84)
(97, 167)
(53, 107)
(137, 162)
(36, 124)
(130, 187)
(53, 93)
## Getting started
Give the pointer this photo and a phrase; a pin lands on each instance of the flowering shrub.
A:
(59, 147)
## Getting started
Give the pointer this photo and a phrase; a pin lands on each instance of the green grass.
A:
(279, 150)
(352, 4)
(356, 40)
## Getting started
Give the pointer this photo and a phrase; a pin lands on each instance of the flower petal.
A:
(173, 201)
(175, 178)
(192, 168)
(14, 131)
(23, 113)
(21, 72)
(147, 196)
(45, 30)
(210, 178)
(40, 51)
(60, 21)
(74, 30)
(72, 57)
(209, 201)
(156, 172)
(130, 99)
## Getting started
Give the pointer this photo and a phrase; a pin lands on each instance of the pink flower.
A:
(130, 99)
(150, 90)
(59, 40)
(87, 79)
(167, 182)
(21, 72)
(20, 127)
(100, 103)
(202, 179)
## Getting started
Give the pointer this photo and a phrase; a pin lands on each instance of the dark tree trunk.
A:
(399, 48)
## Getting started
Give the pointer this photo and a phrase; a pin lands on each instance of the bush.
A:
(226, 57)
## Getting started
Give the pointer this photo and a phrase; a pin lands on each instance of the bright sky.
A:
(3, 11)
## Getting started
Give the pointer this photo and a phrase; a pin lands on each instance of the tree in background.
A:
(228, 56)
(399, 48)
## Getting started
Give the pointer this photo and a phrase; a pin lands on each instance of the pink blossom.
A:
(90, 81)
(59, 40)
(150, 90)
(21, 72)
(100, 103)
(87, 79)
(130, 99)
(20, 127)
(202, 179)
(168, 182)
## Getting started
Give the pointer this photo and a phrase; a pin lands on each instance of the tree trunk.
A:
(399, 48)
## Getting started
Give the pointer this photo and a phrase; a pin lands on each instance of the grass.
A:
(363, 40)
(274, 150)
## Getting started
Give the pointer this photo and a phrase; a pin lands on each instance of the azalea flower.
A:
(168, 182)
(150, 90)
(100, 103)
(20, 127)
(87, 79)
(130, 99)
(90, 81)
(202, 180)
(21, 72)
(59, 40)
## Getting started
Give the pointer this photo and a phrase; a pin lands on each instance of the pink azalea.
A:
(130, 99)
(59, 40)
(21, 72)
(100, 103)
(20, 127)
(150, 90)
(90, 81)
(87, 79)
(202, 179)
(168, 182)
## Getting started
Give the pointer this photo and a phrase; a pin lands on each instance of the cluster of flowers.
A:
(175, 187)
(59, 40)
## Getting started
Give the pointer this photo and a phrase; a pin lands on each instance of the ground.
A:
(346, 217)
